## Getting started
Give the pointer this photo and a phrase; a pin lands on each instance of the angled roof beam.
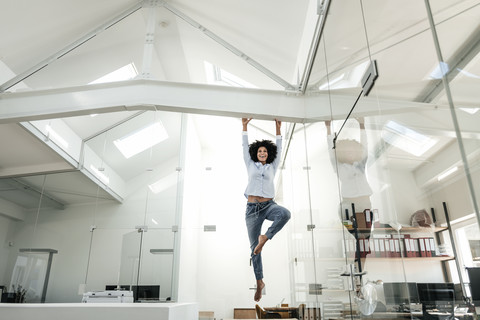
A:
(322, 18)
(184, 97)
(228, 46)
(24, 75)
(469, 50)
(145, 94)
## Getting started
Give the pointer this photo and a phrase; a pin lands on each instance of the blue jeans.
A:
(255, 215)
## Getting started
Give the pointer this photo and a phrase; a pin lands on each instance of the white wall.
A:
(7, 228)
(215, 268)
(68, 231)
(456, 194)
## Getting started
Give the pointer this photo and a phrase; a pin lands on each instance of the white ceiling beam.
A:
(147, 94)
(456, 64)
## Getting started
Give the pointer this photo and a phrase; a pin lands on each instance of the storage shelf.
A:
(439, 258)
(403, 230)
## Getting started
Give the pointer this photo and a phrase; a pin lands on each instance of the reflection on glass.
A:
(407, 139)
(350, 157)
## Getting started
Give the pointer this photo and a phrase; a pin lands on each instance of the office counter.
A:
(99, 311)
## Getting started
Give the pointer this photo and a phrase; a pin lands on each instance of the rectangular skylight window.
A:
(56, 137)
(440, 70)
(348, 79)
(164, 183)
(470, 110)
(219, 76)
(407, 139)
(141, 140)
(124, 73)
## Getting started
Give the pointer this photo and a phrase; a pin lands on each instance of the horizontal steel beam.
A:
(189, 98)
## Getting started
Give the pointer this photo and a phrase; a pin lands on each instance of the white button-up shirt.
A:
(260, 176)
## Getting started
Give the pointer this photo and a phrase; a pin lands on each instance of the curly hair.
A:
(271, 149)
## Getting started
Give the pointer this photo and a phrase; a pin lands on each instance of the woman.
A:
(262, 162)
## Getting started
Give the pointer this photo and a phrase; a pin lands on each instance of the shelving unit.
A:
(364, 233)
(402, 230)
(440, 258)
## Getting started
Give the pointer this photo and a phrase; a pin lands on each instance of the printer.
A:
(108, 296)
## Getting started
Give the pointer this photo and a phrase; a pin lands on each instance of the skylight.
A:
(53, 135)
(219, 76)
(407, 139)
(470, 110)
(164, 183)
(439, 71)
(124, 73)
(349, 79)
(141, 140)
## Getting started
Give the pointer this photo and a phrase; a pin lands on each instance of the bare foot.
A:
(261, 241)
(258, 293)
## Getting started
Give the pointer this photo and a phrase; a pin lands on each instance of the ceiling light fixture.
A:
(141, 140)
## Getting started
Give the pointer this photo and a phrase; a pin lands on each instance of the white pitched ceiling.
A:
(274, 34)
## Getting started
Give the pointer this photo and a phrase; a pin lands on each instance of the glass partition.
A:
(401, 137)
(319, 254)
(456, 30)
(120, 227)
(376, 184)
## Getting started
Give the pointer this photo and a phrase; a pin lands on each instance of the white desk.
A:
(99, 311)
